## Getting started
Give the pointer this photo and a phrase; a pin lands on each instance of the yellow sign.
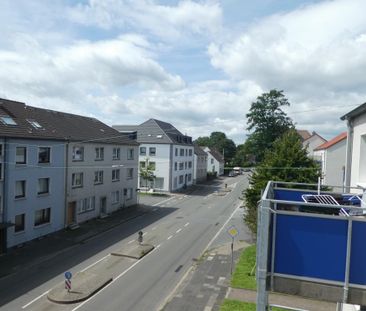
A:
(233, 232)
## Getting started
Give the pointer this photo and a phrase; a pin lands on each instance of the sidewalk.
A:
(39, 250)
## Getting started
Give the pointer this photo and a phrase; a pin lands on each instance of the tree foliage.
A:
(287, 161)
(267, 121)
(147, 173)
(220, 142)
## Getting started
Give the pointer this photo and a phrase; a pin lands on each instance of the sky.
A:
(196, 64)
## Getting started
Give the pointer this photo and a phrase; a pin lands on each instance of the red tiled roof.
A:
(332, 142)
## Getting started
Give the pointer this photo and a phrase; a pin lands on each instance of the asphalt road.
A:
(181, 228)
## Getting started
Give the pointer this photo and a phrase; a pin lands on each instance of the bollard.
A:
(140, 238)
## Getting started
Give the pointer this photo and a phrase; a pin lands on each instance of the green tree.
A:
(267, 121)
(203, 141)
(147, 173)
(287, 161)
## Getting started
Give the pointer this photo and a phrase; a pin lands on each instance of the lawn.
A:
(242, 277)
(234, 305)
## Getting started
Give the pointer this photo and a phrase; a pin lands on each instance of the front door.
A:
(71, 213)
(103, 205)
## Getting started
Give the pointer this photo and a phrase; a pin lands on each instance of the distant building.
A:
(215, 161)
(333, 158)
(200, 165)
(167, 151)
(312, 142)
(304, 134)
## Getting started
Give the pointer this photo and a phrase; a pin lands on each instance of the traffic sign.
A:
(233, 232)
(68, 275)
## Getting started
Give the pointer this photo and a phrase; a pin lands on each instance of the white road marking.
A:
(156, 204)
(153, 229)
(186, 224)
(179, 230)
(158, 246)
(93, 264)
(131, 241)
(114, 280)
(35, 299)
(169, 237)
(144, 233)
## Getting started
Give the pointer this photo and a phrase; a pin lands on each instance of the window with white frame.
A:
(98, 177)
(181, 152)
(7, 120)
(190, 164)
(175, 166)
(181, 179)
(176, 152)
(42, 216)
(129, 194)
(189, 177)
(190, 152)
(152, 166)
(19, 189)
(43, 186)
(77, 180)
(212, 161)
(142, 150)
(129, 173)
(44, 154)
(116, 153)
(78, 153)
(116, 175)
(130, 154)
(185, 165)
(35, 124)
(142, 164)
(99, 153)
(152, 151)
(19, 223)
(115, 197)
(86, 205)
(21, 155)
(181, 166)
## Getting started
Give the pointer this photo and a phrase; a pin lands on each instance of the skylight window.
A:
(35, 124)
(7, 120)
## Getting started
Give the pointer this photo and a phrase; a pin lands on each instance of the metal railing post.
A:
(262, 255)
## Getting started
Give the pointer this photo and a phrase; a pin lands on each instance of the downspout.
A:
(349, 147)
(4, 198)
(66, 178)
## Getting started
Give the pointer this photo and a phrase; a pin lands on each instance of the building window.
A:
(181, 166)
(129, 173)
(142, 164)
(185, 165)
(98, 177)
(35, 124)
(130, 154)
(20, 189)
(21, 155)
(152, 151)
(99, 154)
(142, 150)
(175, 166)
(212, 161)
(86, 205)
(115, 197)
(181, 152)
(78, 153)
(190, 164)
(152, 166)
(116, 153)
(43, 186)
(181, 179)
(115, 175)
(190, 152)
(186, 152)
(19, 223)
(42, 216)
(77, 180)
(44, 154)
(189, 177)
(128, 193)
(7, 120)
(176, 152)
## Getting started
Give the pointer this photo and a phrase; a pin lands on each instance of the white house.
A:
(312, 142)
(199, 164)
(166, 151)
(356, 147)
(333, 159)
(215, 161)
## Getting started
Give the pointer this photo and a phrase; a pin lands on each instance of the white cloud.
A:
(168, 22)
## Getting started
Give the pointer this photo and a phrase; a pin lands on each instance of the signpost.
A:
(68, 276)
(233, 232)
(140, 238)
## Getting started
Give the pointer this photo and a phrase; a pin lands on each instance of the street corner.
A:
(83, 285)
(136, 252)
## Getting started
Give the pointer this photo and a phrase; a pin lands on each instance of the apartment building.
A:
(200, 165)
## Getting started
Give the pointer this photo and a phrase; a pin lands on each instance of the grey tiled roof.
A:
(157, 132)
(217, 155)
(199, 151)
(56, 125)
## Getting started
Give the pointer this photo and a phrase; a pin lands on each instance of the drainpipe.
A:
(4, 198)
(66, 178)
(347, 181)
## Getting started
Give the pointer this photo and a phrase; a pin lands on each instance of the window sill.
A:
(42, 225)
(87, 211)
(98, 160)
(76, 187)
(116, 159)
(74, 160)
(19, 232)
(20, 198)
(44, 163)
(20, 164)
(98, 183)
(116, 180)
(46, 194)
(114, 203)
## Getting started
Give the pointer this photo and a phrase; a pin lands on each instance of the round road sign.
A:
(68, 275)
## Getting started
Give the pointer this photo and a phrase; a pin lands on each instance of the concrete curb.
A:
(86, 285)
(135, 253)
